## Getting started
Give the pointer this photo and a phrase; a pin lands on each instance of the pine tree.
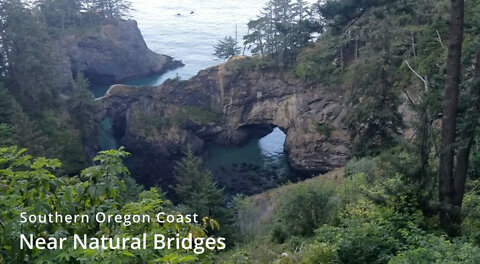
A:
(28, 58)
(282, 28)
(60, 13)
(200, 194)
(29, 135)
(226, 48)
(342, 14)
(7, 135)
(7, 103)
(197, 189)
(450, 189)
(83, 108)
(110, 9)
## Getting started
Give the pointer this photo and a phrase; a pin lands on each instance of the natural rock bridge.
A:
(228, 104)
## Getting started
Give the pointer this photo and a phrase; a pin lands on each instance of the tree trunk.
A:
(466, 141)
(450, 104)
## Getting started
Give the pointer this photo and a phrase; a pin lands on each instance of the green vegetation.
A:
(29, 185)
(371, 216)
(196, 188)
(153, 122)
(281, 30)
(199, 193)
(399, 200)
(324, 129)
(51, 115)
(200, 115)
(226, 48)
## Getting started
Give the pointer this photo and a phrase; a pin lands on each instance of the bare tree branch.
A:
(424, 79)
(439, 39)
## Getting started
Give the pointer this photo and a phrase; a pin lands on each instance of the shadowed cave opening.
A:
(258, 164)
(251, 168)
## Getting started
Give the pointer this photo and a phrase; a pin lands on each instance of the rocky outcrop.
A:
(111, 54)
(228, 104)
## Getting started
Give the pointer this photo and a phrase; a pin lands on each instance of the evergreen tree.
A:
(60, 13)
(373, 120)
(281, 30)
(83, 108)
(28, 134)
(451, 188)
(7, 103)
(110, 9)
(7, 134)
(200, 194)
(342, 14)
(226, 48)
(7, 131)
(28, 58)
(196, 187)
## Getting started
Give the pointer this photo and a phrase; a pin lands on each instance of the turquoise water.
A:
(259, 165)
(104, 137)
(266, 152)
(187, 31)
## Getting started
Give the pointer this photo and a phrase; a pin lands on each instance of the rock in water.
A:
(114, 53)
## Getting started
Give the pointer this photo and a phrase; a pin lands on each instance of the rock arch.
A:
(228, 104)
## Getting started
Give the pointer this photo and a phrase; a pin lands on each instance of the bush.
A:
(439, 250)
(364, 236)
(324, 129)
(363, 165)
(320, 253)
(309, 206)
(471, 215)
(279, 234)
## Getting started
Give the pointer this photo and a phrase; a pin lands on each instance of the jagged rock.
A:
(228, 104)
(113, 53)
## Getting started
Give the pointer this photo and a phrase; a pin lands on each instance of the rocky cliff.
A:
(228, 104)
(110, 54)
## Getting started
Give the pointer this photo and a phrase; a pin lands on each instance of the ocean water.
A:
(187, 31)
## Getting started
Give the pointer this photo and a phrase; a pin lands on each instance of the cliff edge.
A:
(112, 53)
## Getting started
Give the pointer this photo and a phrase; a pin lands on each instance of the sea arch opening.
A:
(259, 164)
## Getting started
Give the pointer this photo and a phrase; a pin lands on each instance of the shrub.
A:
(364, 236)
(309, 206)
(320, 253)
(279, 234)
(324, 129)
(28, 185)
(438, 250)
(363, 165)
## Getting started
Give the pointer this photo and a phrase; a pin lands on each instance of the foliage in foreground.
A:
(29, 185)
(376, 219)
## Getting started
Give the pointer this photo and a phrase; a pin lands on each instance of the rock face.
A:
(228, 104)
(114, 53)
